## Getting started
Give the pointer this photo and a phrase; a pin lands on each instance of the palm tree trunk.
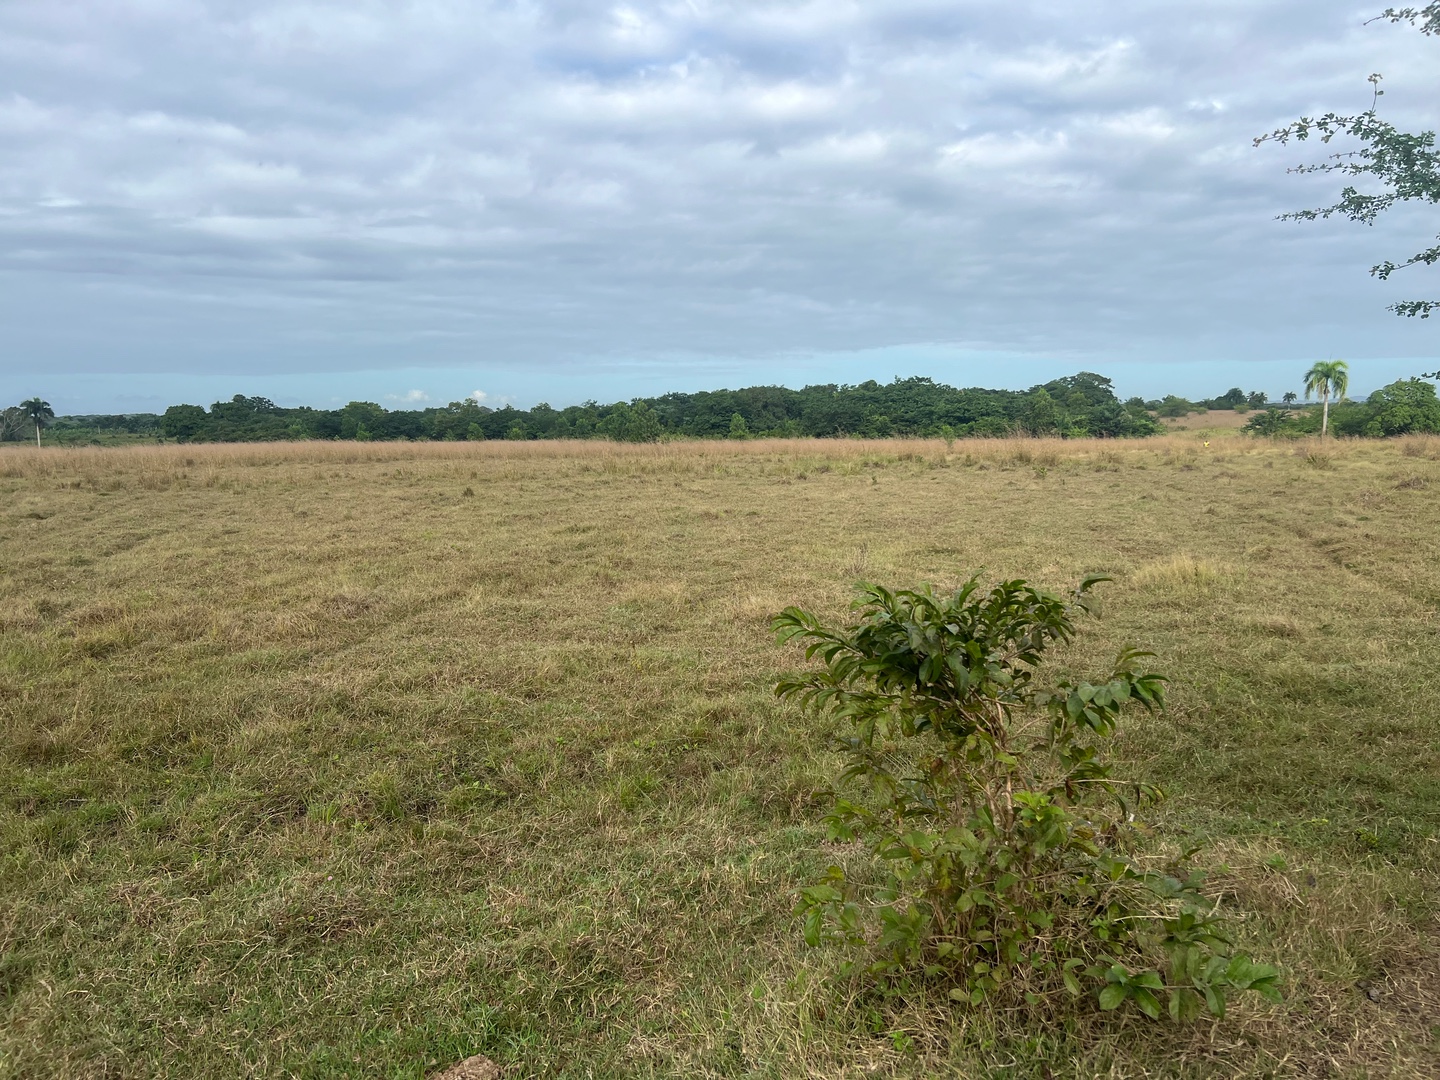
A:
(37, 434)
(1324, 414)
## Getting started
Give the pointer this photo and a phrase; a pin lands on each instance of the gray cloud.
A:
(203, 185)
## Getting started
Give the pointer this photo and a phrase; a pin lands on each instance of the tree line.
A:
(1080, 405)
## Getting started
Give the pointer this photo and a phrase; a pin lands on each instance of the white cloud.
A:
(478, 396)
(410, 397)
(996, 151)
(311, 185)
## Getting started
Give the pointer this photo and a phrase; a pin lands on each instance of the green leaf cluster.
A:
(1001, 842)
(1396, 166)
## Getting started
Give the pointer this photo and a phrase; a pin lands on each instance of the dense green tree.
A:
(1041, 414)
(1403, 408)
(360, 420)
(544, 421)
(1085, 389)
(456, 420)
(989, 427)
(579, 421)
(636, 423)
(877, 425)
(183, 422)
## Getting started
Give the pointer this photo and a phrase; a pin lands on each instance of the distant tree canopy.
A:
(1406, 407)
(1234, 398)
(1077, 405)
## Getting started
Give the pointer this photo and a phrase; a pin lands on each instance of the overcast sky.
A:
(565, 199)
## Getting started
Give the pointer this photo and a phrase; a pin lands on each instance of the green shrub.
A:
(1175, 407)
(635, 423)
(1270, 422)
(1003, 844)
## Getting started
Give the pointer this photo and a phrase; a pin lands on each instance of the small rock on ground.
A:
(478, 1067)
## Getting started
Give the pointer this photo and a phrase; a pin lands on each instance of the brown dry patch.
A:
(1226, 420)
(478, 1067)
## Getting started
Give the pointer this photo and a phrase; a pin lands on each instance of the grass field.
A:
(1208, 424)
(358, 759)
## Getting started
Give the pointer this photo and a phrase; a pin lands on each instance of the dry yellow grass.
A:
(24, 461)
(1215, 422)
(361, 759)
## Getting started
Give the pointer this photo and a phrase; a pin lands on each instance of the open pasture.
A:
(1205, 425)
(356, 759)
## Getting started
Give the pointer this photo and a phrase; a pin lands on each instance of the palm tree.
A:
(1289, 397)
(1327, 377)
(38, 411)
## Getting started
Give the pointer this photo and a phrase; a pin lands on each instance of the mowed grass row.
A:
(355, 760)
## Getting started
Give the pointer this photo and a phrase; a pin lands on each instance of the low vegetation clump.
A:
(1005, 841)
